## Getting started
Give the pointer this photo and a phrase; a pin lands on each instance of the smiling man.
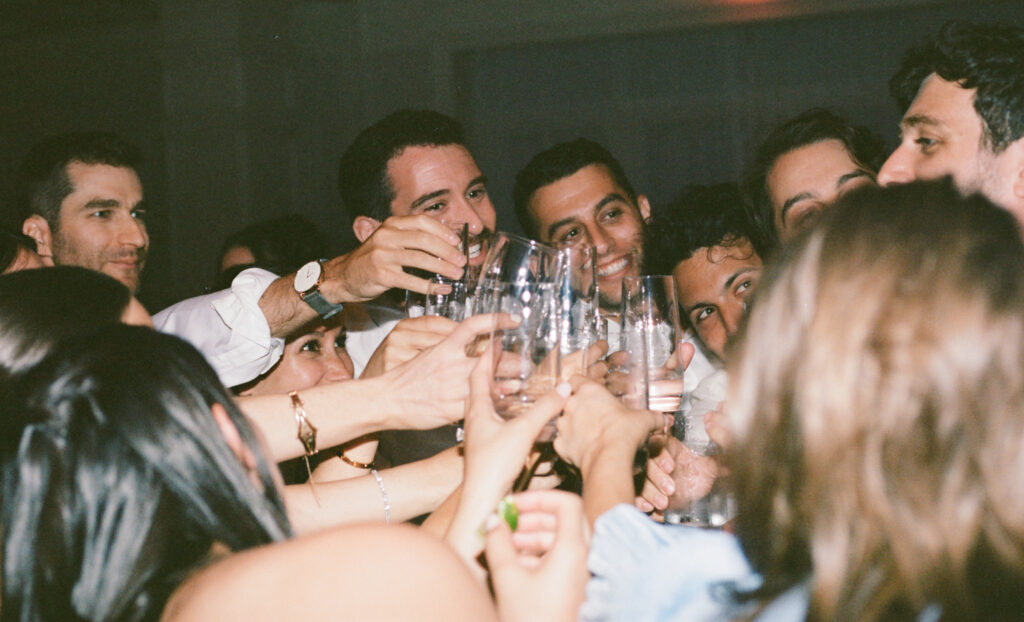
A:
(962, 97)
(416, 162)
(576, 192)
(80, 199)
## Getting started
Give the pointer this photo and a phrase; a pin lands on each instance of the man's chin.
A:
(129, 277)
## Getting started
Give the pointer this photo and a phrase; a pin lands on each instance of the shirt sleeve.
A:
(228, 327)
(643, 570)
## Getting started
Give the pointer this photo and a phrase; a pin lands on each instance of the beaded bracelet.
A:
(383, 494)
(355, 463)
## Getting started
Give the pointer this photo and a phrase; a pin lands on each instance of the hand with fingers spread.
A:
(430, 389)
(378, 264)
(539, 570)
(601, 435)
(495, 452)
(409, 337)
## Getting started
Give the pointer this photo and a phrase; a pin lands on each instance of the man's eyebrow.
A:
(555, 226)
(609, 198)
(736, 275)
(430, 196)
(919, 119)
(793, 200)
(479, 179)
(95, 203)
(854, 174)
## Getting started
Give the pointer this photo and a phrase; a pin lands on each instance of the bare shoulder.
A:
(365, 572)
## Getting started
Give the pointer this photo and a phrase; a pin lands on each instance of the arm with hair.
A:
(373, 268)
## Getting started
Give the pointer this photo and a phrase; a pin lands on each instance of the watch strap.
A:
(319, 304)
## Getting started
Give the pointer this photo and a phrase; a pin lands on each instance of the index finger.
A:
(422, 222)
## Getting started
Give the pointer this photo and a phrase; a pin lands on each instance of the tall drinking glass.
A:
(698, 473)
(651, 335)
(519, 277)
(580, 325)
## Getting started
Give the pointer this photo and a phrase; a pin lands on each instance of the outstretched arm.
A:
(374, 267)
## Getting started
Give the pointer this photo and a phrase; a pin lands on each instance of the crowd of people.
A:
(251, 452)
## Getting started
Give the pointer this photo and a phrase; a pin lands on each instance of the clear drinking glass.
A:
(651, 335)
(520, 277)
(701, 471)
(445, 298)
(580, 322)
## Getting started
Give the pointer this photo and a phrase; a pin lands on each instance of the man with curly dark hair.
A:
(962, 96)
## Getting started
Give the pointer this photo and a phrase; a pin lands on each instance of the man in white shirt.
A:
(409, 184)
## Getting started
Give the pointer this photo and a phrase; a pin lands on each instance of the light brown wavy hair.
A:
(878, 399)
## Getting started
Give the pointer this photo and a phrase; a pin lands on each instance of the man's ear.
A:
(36, 227)
(1018, 169)
(645, 207)
(363, 227)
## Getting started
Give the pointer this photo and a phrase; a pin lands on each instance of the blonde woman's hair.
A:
(878, 395)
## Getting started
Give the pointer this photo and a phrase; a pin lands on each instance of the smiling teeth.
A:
(613, 268)
(474, 250)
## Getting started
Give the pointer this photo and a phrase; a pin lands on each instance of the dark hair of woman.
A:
(118, 481)
(40, 307)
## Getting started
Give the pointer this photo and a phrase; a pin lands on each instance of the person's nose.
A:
(338, 366)
(600, 239)
(897, 169)
(732, 315)
(463, 213)
(132, 232)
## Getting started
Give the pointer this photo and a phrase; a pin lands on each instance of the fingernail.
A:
(564, 389)
(668, 486)
(515, 317)
(491, 522)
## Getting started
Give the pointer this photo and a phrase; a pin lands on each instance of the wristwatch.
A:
(307, 284)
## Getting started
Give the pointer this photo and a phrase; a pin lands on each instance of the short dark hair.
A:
(39, 307)
(11, 244)
(42, 180)
(363, 179)
(986, 57)
(558, 162)
(701, 217)
(809, 127)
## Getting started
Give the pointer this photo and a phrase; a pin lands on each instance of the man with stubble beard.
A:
(577, 192)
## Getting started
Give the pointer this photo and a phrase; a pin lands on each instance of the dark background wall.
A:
(242, 107)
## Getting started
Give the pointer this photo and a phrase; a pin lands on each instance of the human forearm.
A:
(340, 411)
(284, 310)
(411, 489)
(607, 478)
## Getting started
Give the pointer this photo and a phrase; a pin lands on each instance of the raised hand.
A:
(409, 337)
(377, 265)
(539, 570)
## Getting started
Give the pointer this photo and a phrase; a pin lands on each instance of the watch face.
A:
(307, 276)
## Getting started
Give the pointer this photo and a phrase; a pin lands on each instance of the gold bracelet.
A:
(307, 436)
(355, 463)
(307, 431)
